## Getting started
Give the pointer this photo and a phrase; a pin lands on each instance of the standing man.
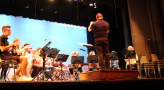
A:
(6, 55)
(101, 30)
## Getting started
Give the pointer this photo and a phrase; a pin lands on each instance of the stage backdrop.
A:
(64, 37)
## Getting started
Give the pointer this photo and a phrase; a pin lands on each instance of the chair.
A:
(159, 64)
(142, 60)
(154, 57)
(148, 67)
(10, 64)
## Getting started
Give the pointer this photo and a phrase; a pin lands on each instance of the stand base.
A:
(109, 74)
(43, 75)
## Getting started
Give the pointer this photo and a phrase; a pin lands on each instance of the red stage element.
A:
(109, 74)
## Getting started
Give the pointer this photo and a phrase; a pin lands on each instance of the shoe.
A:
(29, 78)
(14, 78)
(24, 78)
(21, 78)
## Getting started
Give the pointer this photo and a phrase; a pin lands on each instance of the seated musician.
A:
(24, 51)
(92, 65)
(14, 52)
(58, 69)
(6, 55)
(131, 63)
(114, 62)
(28, 53)
(72, 66)
(38, 63)
(76, 53)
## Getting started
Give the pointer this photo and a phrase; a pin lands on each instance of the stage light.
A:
(55, 12)
(94, 5)
(91, 4)
(27, 7)
(42, 9)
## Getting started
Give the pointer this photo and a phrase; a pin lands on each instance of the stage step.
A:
(109, 74)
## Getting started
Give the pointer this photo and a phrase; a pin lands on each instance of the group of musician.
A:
(31, 63)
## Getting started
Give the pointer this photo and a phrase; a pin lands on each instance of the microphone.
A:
(82, 49)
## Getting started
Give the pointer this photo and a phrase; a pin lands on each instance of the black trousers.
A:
(4, 70)
(36, 70)
(102, 49)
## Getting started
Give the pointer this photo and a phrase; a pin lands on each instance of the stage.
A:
(155, 83)
(109, 75)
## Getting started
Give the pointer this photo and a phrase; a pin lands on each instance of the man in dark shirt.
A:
(101, 30)
(5, 54)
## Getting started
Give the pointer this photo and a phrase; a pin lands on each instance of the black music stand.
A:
(130, 54)
(77, 60)
(93, 59)
(53, 54)
(113, 55)
(43, 53)
(62, 58)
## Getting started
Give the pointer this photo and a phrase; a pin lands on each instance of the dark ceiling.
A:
(76, 12)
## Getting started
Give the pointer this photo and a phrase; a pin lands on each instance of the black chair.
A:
(146, 68)
(159, 65)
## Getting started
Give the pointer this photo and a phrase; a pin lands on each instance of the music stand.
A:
(88, 46)
(53, 54)
(62, 58)
(43, 53)
(130, 54)
(113, 55)
(77, 60)
(93, 59)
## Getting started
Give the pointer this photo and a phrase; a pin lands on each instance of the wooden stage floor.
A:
(150, 84)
